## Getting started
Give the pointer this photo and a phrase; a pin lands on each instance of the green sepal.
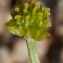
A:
(37, 33)
(13, 28)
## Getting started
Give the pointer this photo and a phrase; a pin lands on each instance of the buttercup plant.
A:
(30, 20)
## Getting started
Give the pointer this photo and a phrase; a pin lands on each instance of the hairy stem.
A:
(31, 45)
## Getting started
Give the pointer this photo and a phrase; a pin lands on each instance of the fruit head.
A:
(29, 20)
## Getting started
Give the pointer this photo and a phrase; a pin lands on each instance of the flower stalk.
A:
(32, 50)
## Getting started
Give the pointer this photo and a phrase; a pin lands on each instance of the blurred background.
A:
(13, 49)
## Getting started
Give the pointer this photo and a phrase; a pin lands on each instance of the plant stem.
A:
(25, 1)
(32, 50)
(19, 2)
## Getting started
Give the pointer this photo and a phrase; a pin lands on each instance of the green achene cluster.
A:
(29, 20)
